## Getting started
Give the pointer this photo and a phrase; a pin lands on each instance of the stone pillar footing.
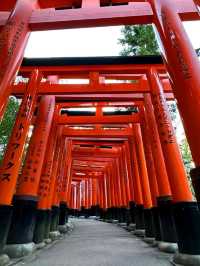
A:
(114, 221)
(139, 232)
(149, 240)
(40, 245)
(54, 235)
(186, 259)
(168, 247)
(63, 229)
(122, 224)
(4, 259)
(131, 227)
(47, 240)
(19, 250)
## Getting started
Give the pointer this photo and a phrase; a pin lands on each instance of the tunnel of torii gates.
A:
(123, 166)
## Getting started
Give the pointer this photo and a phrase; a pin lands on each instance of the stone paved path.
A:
(94, 243)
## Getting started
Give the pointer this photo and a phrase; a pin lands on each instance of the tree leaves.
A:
(138, 40)
(7, 123)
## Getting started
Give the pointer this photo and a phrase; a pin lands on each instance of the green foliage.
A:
(7, 123)
(184, 147)
(138, 40)
(186, 155)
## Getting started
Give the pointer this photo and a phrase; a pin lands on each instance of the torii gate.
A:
(144, 198)
(18, 19)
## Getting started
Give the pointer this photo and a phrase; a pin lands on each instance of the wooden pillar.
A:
(45, 189)
(66, 183)
(186, 212)
(13, 155)
(144, 180)
(139, 208)
(14, 151)
(163, 217)
(184, 67)
(26, 197)
(13, 40)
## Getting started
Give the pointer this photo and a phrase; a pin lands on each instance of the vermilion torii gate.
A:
(134, 155)
(138, 158)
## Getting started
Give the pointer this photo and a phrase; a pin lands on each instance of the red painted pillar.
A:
(112, 192)
(117, 180)
(142, 167)
(163, 218)
(139, 215)
(159, 163)
(126, 176)
(57, 158)
(14, 151)
(59, 175)
(136, 177)
(13, 40)
(26, 197)
(129, 171)
(144, 180)
(161, 211)
(174, 164)
(122, 182)
(186, 212)
(13, 155)
(66, 183)
(149, 158)
(184, 67)
(42, 219)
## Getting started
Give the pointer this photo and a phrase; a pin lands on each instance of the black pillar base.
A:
(47, 224)
(95, 210)
(148, 222)
(167, 224)
(187, 221)
(115, 213)
(108, 214)
(6, 212)
(63, 215)
(55, 211)
(82, 211)
(156, 221)
(132, 212)
(195, 176)
(139, 217)
(102, 214)
(40, 226)
(122, 215)
(87, 213)
(23, 220)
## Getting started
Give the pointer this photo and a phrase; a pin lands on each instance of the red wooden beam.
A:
(111, 119)
(86, 69)
(56, 89)
(95, 133)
